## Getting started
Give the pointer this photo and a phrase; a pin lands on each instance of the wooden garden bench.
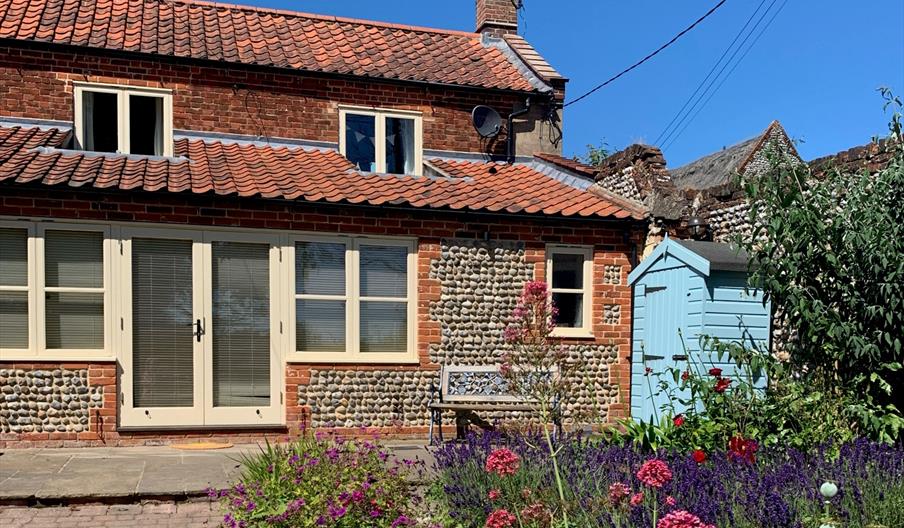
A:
(467, 390)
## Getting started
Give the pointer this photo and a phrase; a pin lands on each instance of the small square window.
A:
(569, 274)
(122, 119)
(381, 140)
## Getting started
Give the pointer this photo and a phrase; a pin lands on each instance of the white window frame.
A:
(353, 299)
(380, 115)
(123, 92)
(586, 329)
(37, 336)
(29, 288)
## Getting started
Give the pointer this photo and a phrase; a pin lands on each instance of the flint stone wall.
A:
(46, 401)
(480, 284)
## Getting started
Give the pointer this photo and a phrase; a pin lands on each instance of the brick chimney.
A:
(496, 18)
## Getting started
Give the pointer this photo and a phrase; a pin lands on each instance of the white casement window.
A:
(354, 300)
(124, 119)
(54, 291)
(384, 141)
(569, 273)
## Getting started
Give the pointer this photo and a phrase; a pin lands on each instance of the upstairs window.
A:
(386, 141)
(124, 119)
(569, 272)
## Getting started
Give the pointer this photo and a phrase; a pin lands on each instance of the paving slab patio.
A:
(127, 474)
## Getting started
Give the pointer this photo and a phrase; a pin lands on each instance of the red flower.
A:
(494, 494)
(617, 493)
(654, 473)
(682, 519)
(637, 499)
(685, 375)
(678, 420)
(647, 371)
(721, 385)
(502, 462)
(742, 450)
(699, 456)
(501, 519)
(715, 372)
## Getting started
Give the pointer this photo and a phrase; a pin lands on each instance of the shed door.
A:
(666, 293)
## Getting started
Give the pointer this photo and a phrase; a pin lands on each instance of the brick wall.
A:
(434, 229)
(496, 17)
(38, 84)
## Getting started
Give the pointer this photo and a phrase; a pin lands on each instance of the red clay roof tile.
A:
(294, 173)
(249, 35)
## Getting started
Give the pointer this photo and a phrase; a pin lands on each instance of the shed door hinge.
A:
(280, 398)
(120, 247)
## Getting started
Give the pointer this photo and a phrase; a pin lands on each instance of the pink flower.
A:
(670, 501)
(494, 494)
(501, 519)
(682, 519)
(654, 473)
(637, 499)
(503, 462)
(617, 492)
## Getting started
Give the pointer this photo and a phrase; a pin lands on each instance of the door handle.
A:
(679, 357)
(199, 330)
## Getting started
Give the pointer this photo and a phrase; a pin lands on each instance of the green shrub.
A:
(319, 481)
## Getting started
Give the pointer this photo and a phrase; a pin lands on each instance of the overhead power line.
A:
(711, 71)
(733, 68)
(651, 55)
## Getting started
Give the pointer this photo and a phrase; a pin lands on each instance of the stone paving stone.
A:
(182, 515)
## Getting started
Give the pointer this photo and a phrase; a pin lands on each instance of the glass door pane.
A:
(240, 311)
(162, 333)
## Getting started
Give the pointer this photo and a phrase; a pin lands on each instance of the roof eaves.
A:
(533, 59)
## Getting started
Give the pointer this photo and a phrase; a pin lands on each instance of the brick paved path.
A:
(198, 514)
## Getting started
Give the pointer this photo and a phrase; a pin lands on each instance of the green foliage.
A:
(829, 255)
(316, 481)
(595, 154)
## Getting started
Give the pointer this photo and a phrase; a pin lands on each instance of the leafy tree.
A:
(829, 253)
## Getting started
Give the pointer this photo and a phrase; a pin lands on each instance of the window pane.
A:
(567, 270)
(74, 259)
(13, 257)
(571, 309)
(384, 326)
(320, 325)
(162, 315)
(399, 145)
(241, 324)
(74, 320)
(100, 120)
(146, 125)
(13, 319)
(319, 268)
(383, 271)
(360, 146)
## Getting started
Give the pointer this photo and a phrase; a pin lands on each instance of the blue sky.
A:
(816, 68)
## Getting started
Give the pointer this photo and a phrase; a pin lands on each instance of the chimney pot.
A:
(496, 18)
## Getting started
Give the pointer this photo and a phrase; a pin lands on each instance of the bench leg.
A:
(430, 433)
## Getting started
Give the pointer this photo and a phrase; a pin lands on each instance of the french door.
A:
(201, 332)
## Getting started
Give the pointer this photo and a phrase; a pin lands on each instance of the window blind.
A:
(13, 288)
(162, 315)
(73, 265)
(241, 324)
(383, 273)
(320, 271)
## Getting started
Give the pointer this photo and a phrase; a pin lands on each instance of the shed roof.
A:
(721, 256)
(704, 257)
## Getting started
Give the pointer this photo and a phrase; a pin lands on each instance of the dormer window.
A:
(124, 119)
(386, 141)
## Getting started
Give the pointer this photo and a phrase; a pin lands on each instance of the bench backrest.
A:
(476, 383)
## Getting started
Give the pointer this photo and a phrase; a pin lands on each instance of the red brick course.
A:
(614, 243)
(37, 84)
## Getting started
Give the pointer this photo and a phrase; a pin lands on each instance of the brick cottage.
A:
(229, 222)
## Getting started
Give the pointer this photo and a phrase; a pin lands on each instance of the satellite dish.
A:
(486, 121)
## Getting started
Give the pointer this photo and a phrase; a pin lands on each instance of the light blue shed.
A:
(699, 288)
